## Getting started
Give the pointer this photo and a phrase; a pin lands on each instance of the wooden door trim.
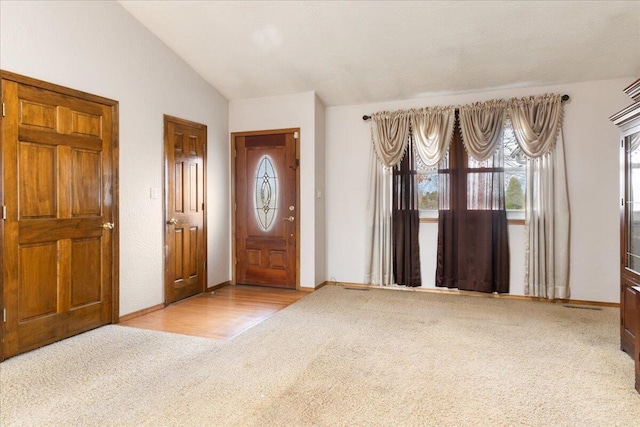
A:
(114, 105)
(165, 200)
(232, 161)
(8, 75)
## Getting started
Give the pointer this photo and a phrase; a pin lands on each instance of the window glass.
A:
(515, 177)
(428, 191)
(509, 156)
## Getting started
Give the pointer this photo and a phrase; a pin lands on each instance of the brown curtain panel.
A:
(406, 222)
(473, 246)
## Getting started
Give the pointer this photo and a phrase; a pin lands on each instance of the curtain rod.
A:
(563, 99)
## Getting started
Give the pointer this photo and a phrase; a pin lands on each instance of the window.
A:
(515, 177)
(427, 179)
(514, 163)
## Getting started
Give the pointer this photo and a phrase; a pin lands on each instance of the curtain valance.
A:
(432, 129)
(536, 121)
(390, 136)
(482, 126)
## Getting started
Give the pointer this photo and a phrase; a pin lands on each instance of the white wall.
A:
(293, 111)
(98, 47)
(320, 212)
(592, 173)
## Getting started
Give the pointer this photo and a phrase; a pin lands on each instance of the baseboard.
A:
(218, 286)
(140, 313)
(304, 289)
(475, 294)
(321, 285)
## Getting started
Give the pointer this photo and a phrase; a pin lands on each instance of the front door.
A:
(267, 215)
(185, 147)
(59, 245)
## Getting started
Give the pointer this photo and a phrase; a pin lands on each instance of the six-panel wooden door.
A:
(185, 250)
(58, 237)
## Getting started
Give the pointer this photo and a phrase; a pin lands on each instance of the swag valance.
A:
(536, 122)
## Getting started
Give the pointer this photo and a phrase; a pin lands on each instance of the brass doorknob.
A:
(172, 221)
(108, 225)
(290, 219)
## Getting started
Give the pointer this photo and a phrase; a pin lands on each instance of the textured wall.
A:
(592, 172)
(98, 47)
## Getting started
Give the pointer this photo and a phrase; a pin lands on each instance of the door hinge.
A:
(622, 143)
(3, 111)
(4, 212)
(235, 153)
(4, 315)
(235, 206)
(295, 135)
(621, 202)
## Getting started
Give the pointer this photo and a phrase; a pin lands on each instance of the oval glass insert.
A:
(266, 193)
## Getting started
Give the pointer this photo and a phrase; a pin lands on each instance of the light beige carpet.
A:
(341, 357)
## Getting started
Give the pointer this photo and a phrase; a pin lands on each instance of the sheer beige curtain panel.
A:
(537, 124)
(432, 129)
(389, 138)
(379, 249)
(482, 126)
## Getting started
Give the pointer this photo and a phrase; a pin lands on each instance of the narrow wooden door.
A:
(266, 220)
(185, 233)
(58, 243)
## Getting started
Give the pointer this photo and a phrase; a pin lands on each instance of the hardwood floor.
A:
(221, 315)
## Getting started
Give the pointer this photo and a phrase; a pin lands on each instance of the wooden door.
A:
(185, 231)
(59, 242)
(266, 216)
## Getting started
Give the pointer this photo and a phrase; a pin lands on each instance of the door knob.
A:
(108, 225)
(290, 219)
(172, 221)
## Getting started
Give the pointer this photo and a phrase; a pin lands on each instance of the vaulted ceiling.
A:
(353, 52)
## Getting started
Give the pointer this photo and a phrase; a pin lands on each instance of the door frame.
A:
(232, 161)
(165, 202)
(114, 105)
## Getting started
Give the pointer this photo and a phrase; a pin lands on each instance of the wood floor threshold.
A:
(474, 294)
(161, 306)
(219, 314)
(218, 286)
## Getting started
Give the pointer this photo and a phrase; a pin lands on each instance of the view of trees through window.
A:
(428, 191)
(514, 177)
